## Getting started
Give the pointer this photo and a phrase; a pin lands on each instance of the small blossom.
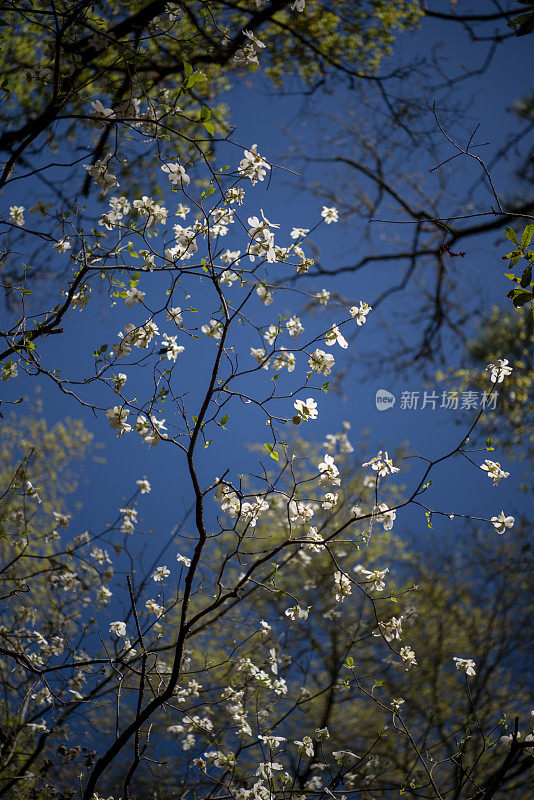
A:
(160, 573)
(408, 656)
(306, 409)
(465, 664)
(177, 174)
(296, 613)
(118, 628)
(501, 523)
(16, 214)
(383, 465)
(183, 560)
(62, 246)
(329, 215)
(493, 468)
(253, 165)
(214, 329)
(500, 370)
(144, 486)
(321, 362)
(359, 313)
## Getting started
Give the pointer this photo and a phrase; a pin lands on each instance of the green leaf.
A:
(519, 297)
(511, 234)
(528, 233)
(224, 420)
(526, 277)
(210, 127)
(188, 69)
(270, 449)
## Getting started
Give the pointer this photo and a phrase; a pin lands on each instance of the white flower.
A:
(253, 165)
(493, 468)
(334, 335)
(330, 500)
(321, 362)
(383, 465)
(500, 370)
(392, 629)
(183, 560)
(294, 327)
(359, 313)
(175, 315)
(119, 628)
(329, 471)
(305, 746)
(133, 296)
(386, 516)
(306, 409)
(397, 703)
(408, 655)
(465, 664)
(329, 215)
(160, 573)
(298, 5)
(297, 612)
(214, 329)
(298, 233)
(144, 486)
(172, 347)
(9, 370)
(374, 577)
(323, 297)
(182, 211)
(16, 214)
(501, 522)
(253, 39)
(62, 246)
(176, 173)
(32, 492)
(102, 595)
(117, 417)
(154, 607)
(101, 175)
(342, 586)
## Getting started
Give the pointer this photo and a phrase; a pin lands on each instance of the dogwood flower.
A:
(321, 362)
(214, 329)
(133, 296)
(144, 486)
(374, 577)
(298, 233)
(342, 586)
(62, 246)
(500, 370)
(16, 214)
(408, 656)
(334, 335)
(322, 297)
(177, 174)
(383, 465)
(501, 523)
(160, 573)
(253, 165)
(296, 613)
(118, 628)
(175, 315)
(359, 313)
(306, 409)
(329, 215)
(329, 471)
(305, 746)
(465, 664)
(493, 468)
(117, 417)
(183, 560)
(386, 516)
(101, 175)
(294, 327)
